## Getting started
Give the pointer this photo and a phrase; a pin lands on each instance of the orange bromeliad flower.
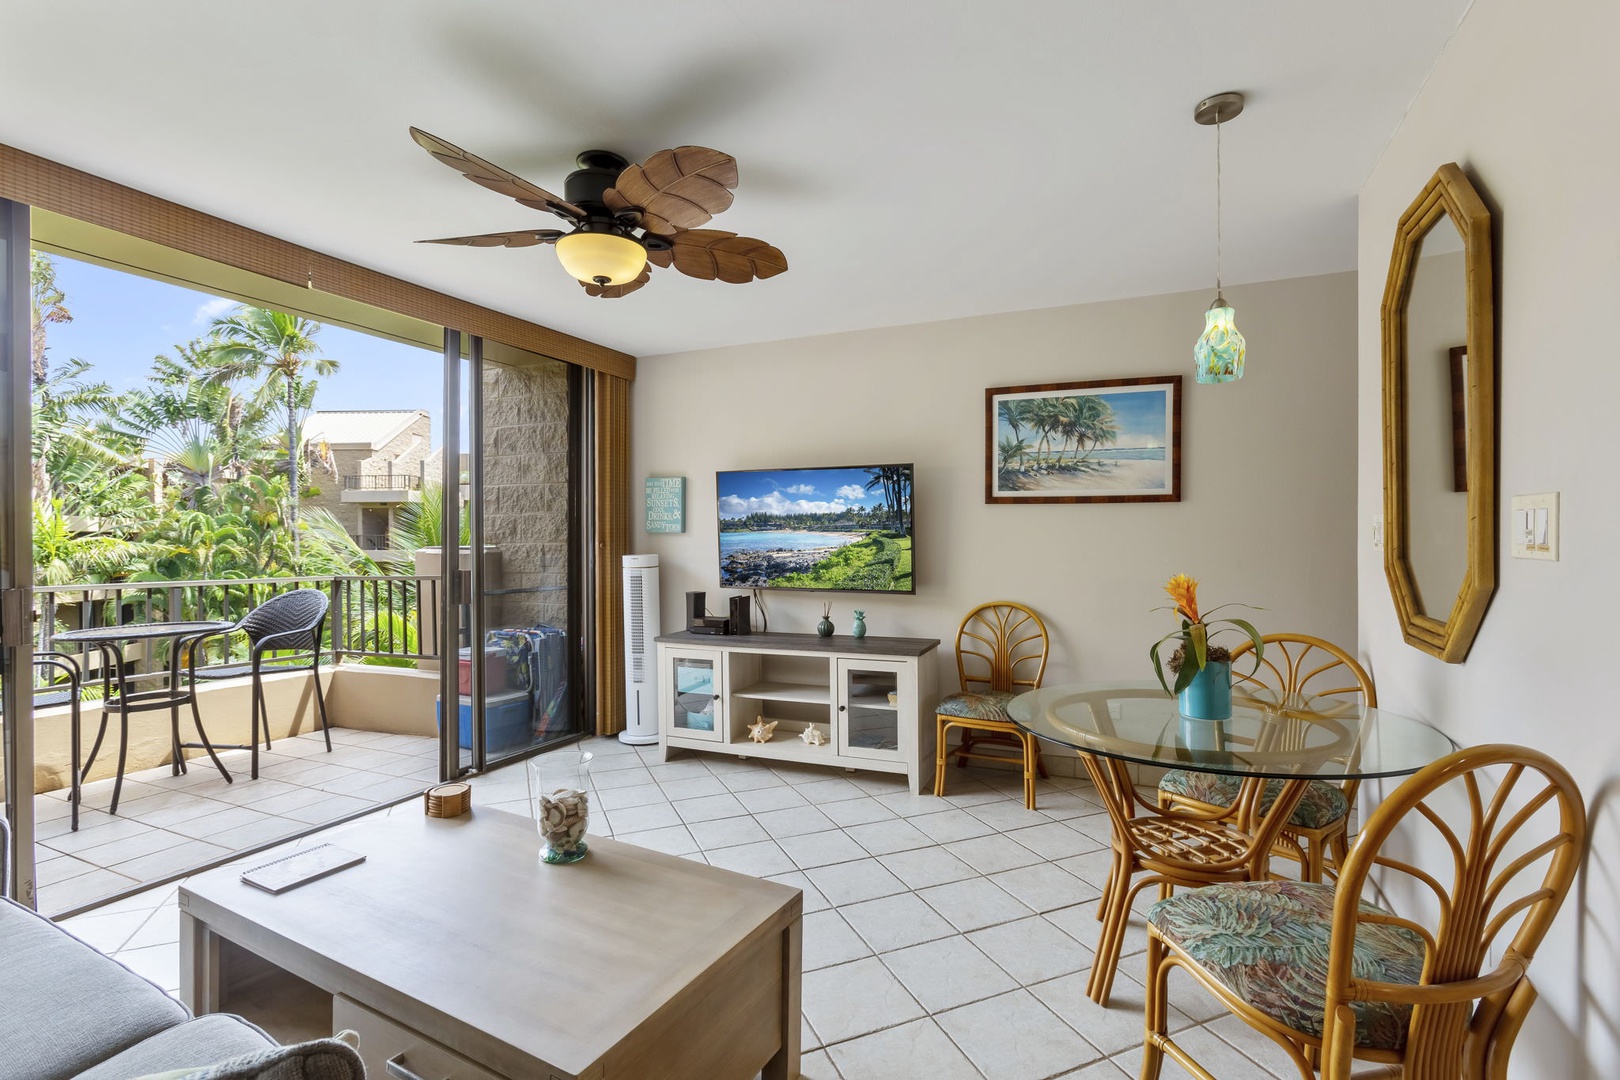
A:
(1184, 591)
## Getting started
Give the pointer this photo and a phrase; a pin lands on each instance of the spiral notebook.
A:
(300, 868)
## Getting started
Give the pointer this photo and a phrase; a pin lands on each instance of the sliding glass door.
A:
(16, 552)
(518, 689)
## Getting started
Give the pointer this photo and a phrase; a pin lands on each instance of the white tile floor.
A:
(943, 938)
(168, 823)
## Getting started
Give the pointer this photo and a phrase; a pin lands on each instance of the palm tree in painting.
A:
(1011, 450)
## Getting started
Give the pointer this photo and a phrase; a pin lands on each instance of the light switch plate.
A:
(1533, 527)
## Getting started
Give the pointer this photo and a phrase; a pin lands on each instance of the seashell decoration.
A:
(760, 730)
(562, 818)
(812, 736)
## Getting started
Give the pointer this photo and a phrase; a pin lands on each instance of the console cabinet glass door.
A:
(869, 709)
(692, 681)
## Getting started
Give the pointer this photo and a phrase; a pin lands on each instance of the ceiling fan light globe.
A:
(601, 258)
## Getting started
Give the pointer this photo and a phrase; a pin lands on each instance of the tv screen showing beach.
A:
(840, 529)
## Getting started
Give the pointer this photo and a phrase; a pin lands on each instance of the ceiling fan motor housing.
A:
(597, 171)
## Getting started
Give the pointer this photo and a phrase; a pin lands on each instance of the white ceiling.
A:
(915, 159)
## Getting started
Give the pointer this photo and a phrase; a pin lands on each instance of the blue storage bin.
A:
(506, 720)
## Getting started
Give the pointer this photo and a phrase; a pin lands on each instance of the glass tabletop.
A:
(139, 631)
(1317, 738)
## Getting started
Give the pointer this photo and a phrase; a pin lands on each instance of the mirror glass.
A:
(1436, 472)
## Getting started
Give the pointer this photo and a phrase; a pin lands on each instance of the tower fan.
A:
(641, 618)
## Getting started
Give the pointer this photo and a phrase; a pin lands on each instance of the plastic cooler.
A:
(495, 669)
(506, 720)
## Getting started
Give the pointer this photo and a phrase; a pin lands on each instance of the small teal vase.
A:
(1209, 695)
(824, 628)
(859, 629)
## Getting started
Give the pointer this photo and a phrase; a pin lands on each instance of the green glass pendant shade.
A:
(1219, 352)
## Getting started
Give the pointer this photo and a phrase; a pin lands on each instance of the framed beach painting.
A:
(1109, 440)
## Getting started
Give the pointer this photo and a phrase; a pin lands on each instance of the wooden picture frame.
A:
(1100, 441)
(1459, 417)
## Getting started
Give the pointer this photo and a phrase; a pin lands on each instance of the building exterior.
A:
(380, 459)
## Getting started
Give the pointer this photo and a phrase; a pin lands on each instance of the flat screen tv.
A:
(842, 529)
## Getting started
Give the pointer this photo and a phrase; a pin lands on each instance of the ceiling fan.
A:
(626, 218)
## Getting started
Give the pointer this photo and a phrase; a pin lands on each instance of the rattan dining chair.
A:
(1295, 667)
(1000, 653)
(1323, 972)
(289, 621)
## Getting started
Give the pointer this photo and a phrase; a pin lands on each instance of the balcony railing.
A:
(382, 482)
(371, 541)
(378, 618)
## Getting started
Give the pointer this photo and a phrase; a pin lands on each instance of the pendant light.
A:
(1219, 350)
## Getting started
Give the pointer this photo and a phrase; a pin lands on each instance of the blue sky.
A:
(794, 491)
(120, 321)
(1140, 415)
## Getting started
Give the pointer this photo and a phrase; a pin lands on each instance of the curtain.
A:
(612, 510)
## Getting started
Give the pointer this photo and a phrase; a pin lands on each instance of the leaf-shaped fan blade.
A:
(662, 257)
(676, 189)
(519, 238)
(613, 292)
(714, 253)
(494, 177)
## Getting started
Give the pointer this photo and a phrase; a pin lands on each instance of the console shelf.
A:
(867, 695)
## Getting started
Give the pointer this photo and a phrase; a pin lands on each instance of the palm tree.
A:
(1011, 450)
(280, 349)
(46, 304)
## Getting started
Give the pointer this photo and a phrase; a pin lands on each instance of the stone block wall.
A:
(526, 489)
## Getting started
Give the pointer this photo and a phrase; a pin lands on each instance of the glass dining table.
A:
(1117, 725)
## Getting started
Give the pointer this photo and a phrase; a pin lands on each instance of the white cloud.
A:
(851, 491)
(212, 310)
(801, 489)
(775, 503)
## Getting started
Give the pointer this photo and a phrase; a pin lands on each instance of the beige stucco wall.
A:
(1526, 98)
(1267, 515)
(357, 696)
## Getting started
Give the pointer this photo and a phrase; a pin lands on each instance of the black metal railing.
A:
(376, 619)
(382, 482)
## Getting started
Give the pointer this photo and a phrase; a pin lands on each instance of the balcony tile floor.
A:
(943, 937)
(167, 823)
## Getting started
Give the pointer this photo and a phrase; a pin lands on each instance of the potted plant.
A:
(1203, 672)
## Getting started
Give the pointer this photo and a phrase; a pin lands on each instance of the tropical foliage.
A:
(194, 474)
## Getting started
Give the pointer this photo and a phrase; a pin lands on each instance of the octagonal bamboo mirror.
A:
(1439, 338)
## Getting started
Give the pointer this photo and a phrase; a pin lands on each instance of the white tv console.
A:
(872, 697)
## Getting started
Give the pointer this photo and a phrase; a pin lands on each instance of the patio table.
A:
(110, 642)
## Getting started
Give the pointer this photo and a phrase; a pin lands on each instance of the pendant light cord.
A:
(1217, 202)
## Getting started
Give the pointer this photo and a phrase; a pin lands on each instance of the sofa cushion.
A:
(320, 1059)
(63, 1005)
(195, 1044)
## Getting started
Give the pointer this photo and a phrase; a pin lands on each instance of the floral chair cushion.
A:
(988, 705)
(1322, 805)
(1267, 941)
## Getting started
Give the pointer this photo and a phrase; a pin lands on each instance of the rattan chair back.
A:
(1299, 668)
(1001, 646)
(288, 613)
(1511, 855)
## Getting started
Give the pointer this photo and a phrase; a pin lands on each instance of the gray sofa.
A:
(67, 1012)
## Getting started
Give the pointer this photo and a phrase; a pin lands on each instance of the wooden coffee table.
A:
(455, 951)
